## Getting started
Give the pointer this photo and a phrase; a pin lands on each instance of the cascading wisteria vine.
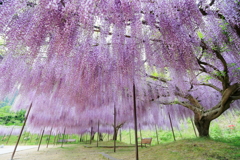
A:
(6, 131)
(74, 60)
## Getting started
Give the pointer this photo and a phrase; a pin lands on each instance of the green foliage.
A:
(219, 73)
(9, 118)
(205, 78)
(232, 64)
(2, 43)
(200, 35)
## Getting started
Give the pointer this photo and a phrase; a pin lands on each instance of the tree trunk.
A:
(202, 126)
(92, 137)
(115, 133)
(100, 137)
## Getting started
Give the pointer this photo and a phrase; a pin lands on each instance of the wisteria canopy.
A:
(74, 60)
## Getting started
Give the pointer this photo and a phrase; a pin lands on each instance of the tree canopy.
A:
(71, 57)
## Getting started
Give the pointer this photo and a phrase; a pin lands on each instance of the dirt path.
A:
(69, 152)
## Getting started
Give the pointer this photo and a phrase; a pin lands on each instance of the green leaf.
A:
(200, 35)
(231, 64)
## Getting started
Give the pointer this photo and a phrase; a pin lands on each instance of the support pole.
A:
(130, 136)
(80, 138)
(91, 135)
(54, 141)
(10, 135)
(63, 136)
(180, 132)
(140, 134)
(49, 138)
(3, 136)
(21, 132)
(157, 134)
(115, 137)
(26, 138)
(58, 137)
(98, 134)
(66, 136)
(31, 138)
(193, 127)
(135, 120)
(40, 140)
(120, 134)
(171, 127)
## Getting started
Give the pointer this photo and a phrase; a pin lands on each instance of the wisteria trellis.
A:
(74, 60)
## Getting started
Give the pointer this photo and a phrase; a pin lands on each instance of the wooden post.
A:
(104, 136)
(135, 120)
(140, 134)
(58, 135)
(3, 136)
(120, 134)
(63, 136)
(27, 138)
(80, 138)
(130, 136)
(40, 140)
(114, 114)
(54, 141)
(156, 134)
(9, 135)
(180, 132)
(193, 127)
(91, 135)
(172, 127)
(31, 138)
(98, 134)
(49, 137)
(21, 132)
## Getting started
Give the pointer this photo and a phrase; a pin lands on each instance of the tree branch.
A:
(229, 92)
(196, 110)
(210, 85)
(211, 3)
(157, 78)
(235, 97)
(229, 95)
(164, 103)
(194, 101)
(225, 81)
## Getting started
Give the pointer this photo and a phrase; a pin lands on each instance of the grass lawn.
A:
(197, 148)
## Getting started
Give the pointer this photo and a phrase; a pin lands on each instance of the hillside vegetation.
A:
(8, 118)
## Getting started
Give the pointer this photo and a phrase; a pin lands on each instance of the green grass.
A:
(187, 149)
(183, 149)
(224, 143)
(190, 148)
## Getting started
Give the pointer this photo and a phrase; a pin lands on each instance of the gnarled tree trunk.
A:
(203, 118)
(202, 126)
(116, 130)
